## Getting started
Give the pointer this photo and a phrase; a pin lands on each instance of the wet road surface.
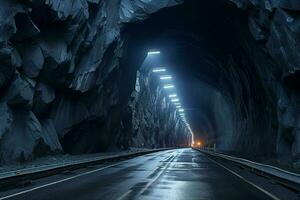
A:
(181, 174)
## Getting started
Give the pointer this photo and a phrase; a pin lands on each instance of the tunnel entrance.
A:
(80, 76)
(211, 56)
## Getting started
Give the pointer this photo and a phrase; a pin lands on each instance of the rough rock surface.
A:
(63, 80)
(22, 137)
(274, 25)
(60, 75)
(155, 121)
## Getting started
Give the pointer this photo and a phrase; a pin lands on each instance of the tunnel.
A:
(81, 78)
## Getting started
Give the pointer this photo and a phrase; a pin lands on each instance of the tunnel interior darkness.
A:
(78, 80)
(209, 53)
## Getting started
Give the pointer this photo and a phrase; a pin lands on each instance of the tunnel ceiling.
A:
(71, 74)
(196, 43)
(229, 59)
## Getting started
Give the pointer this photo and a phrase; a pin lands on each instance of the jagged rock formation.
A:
(67, 80)
(242, 67)
(60, 75)
(155, 121)
(275, 27)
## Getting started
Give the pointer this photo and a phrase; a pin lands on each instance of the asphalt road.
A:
(182, 174)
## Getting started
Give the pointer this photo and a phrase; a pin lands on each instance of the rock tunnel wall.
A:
(155, 121)
(62, 84)
(260, 94)
(65, 86)
(275, 27)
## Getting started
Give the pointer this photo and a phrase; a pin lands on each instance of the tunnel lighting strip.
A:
(156, 70)
(166, 77)
(173, 97)
(169, 87)
(153, 52)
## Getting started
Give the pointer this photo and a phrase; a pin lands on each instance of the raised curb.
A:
(289, 179)
(13, 177)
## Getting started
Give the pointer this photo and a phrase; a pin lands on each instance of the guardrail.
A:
(11, 178)
(286, 178)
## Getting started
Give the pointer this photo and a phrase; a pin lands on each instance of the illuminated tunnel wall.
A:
(68, 76)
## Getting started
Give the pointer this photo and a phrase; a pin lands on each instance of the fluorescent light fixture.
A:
(172, 95)
(169, 86)
(175, 100)
(167, 77)
(155, 70)
(178, 107)
(181, 110)
(153, 52)
(177, 104)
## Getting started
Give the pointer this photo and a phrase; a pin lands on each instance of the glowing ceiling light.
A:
(181, 110)
(178, 107)
(153, 52)
(177, 104)
(172, 95)
(169, 86)
(175, 100)
(167, 77)
(155, 70)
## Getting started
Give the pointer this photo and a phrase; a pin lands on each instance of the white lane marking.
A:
(60, 181)
(249, 182)
(125, 195)
(56, 182)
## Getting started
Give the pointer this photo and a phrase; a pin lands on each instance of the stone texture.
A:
(138, 10)
(8, 10)
(155, 122)
(275, 25)
(50, 136)
(21, 136)
(9, 60)
(20, 92)
(33, 61)
(60, 75)
(62, 80)
(43, 97)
